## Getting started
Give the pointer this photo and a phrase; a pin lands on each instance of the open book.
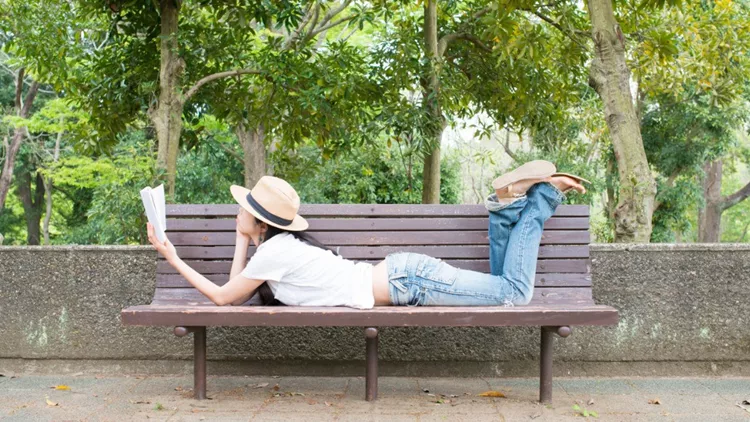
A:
(153, 202)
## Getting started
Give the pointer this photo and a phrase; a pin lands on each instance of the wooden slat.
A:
(380, 252)
(541, 295)
(555, 237)
(373, 224)
(349, 252)
(481, 265)
(382, 316)
(365, 210)
(177, 281)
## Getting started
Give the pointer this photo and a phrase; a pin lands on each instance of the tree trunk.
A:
(22, 110)
(610, 77)
(431, 175)
(32, 204)
(253, 145)
(709, 218)
(166, 115)
(48, 189)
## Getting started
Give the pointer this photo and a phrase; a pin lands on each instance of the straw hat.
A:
(272, 200)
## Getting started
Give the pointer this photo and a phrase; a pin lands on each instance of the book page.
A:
(152, 214)
(159, 203)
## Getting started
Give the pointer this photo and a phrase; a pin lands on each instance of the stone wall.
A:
(682, 303)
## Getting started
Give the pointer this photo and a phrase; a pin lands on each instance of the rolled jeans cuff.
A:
(493, 203)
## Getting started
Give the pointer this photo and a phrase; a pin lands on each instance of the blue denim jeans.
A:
(515, 231)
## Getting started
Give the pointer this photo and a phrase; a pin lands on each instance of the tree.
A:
(691, 63)
(610, 77)
(186, 65)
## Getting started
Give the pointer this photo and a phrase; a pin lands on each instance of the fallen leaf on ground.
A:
(50, 402)
(261, 385)
(61, 387)
(590, 402)
(654, 401)
(294, 393)
(745, 402)
(311, 402)
(424, 390)
(430, 394)
(492, 393)
(275, 387)
(328, 404)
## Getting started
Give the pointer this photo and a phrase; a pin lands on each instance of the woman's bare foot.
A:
(565, 183)
(520, 186)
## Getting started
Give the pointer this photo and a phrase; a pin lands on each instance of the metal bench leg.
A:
(199, 358)
(199, 364)
(545, 364)
(371, 379)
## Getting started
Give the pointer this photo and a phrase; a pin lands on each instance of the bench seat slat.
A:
(190, 296)
(380, 252)
(364, 210)
(374, 224)
(483, 265)
(398, 316)
(542, 280)
(478, 237)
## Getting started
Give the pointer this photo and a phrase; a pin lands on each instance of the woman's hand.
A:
(165, 248)
(240, 234)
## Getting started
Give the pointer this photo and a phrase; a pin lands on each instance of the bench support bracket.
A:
(371, 378)
(199, 358)
(545, 364)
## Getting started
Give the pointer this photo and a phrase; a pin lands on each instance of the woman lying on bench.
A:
(290, 267)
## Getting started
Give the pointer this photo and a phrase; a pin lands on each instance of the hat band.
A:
(262, 211)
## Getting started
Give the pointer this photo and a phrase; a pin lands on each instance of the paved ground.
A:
(309, 399)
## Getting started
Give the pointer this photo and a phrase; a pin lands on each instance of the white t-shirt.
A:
(300, 274)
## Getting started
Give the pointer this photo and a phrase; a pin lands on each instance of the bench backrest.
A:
(204, 236)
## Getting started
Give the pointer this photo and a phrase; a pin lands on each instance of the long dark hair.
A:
(264, 290)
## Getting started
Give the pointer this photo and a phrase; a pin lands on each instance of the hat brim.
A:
(240, 195)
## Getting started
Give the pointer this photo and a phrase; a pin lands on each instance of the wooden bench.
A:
(204, 236)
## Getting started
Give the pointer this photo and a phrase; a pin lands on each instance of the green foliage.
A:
(367, 175)
(115, 212)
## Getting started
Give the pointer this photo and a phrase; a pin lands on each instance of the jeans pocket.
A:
(398, 280)
(437, 270)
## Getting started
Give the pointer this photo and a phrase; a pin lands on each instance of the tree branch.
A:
(333, 12)
(559, 27)
(231, 152)
(329, 26)
(447, 39)
(19, 89)
(735, 198)
(506, 146)
(29, 100)
(308, 15)
(216, 76)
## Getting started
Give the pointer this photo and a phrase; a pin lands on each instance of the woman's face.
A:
(247, 224)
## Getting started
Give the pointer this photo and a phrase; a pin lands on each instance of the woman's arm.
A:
(238, 287)
(237, 290)
(240, 254)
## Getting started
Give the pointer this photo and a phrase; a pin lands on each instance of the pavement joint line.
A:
(494, 402)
